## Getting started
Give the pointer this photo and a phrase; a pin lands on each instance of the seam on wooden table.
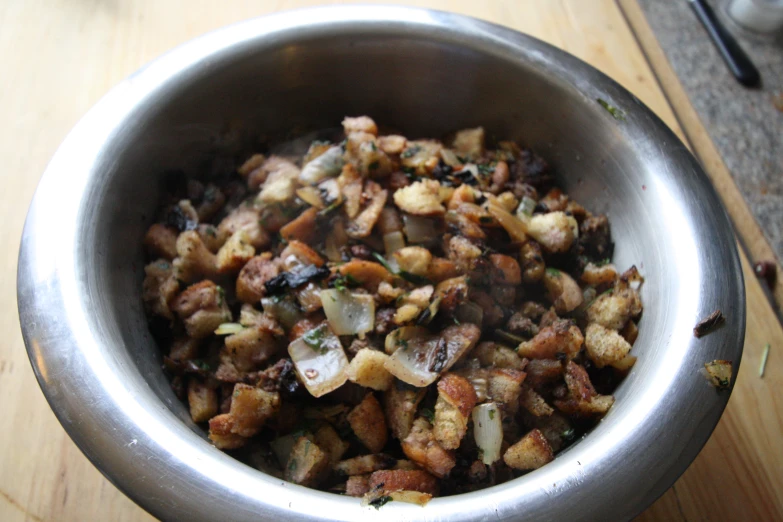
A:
(637, 22)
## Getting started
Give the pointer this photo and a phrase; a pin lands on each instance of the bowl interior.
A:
(200, 110)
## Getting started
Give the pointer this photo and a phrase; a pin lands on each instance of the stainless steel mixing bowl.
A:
(425, 72)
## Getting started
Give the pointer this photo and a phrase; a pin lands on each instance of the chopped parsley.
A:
(485, 170)
(402, 343)
(428, 414)
(315, 339)
(380, 501)
(491, 414)
(410, 151)
(554, 272)
(616, 113)
(221, 295)
(374, 165)
(603, 262)
(345, 282)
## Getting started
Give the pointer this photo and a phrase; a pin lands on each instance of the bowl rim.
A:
(142, 448)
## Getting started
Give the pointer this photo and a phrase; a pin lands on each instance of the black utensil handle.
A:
(736, 59)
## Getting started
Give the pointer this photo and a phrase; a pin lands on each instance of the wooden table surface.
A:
(60, 56)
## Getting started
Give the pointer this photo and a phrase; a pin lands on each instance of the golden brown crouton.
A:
(541, 372)
(159, 288)
(564, 293)
(456, 399)
(193, 259)
(202, 400)
(400, 403)
(330, 442)
(497, 355)
(532, 261)
(251, 408)
(357, 485)
(363, 224)
(421, 198)
(582, 400)
(365, 464)
(555, 231)
(561, 337)
(719, 373)
(613, 309)
(421, 155)
(413, 259)
(221, 434)
(392, 144)
(360, 124)
(366, 369)
(595, 275)
(534, 403)
(280, 183)
(469, 143)
(421, 447)
(253, 276)
(244, 352)
(452, 293)
(404, 480)
(504, 385)
(307, 465)
(441, 269)
(202, 307)
(604, 346)
(531, 452)
(368, 423)
(463, 253)
(234, 253)
(161, 241)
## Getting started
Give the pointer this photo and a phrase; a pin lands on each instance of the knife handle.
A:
(738, 62)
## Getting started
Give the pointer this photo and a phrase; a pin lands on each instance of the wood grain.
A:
(750, 234)
(60, 56)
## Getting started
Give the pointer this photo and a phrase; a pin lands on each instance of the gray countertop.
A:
(745, 124)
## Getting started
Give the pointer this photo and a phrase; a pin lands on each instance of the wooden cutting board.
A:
(60, 56)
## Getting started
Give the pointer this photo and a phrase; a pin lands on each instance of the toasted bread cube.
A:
(367, 369)
(251, 408)
(365, 464)
(369, 424)
(235, 252)
(221, 434)
(456, 399)
(404, 480)
(531, 452)
(161, 241)
(605, 346)
(307, 465)
(203, 401)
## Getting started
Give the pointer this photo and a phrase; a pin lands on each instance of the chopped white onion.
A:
(515, 227)
(426, 356)
(399, 338)
(419, 229)
(488, 431)
(326, 165)
(282, 447)
(347, 313)
(450, 158)
(525, 208)
(229, 329)
(284, 310)
(393, 241)
(411, 362)
(320, 360)
(311, 196)
(470, 312)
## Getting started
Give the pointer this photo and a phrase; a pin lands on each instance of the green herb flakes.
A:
(428, 414)
(616, 113)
